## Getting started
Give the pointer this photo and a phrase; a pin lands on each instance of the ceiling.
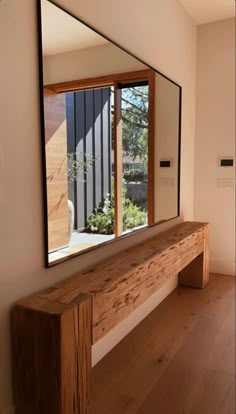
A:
(62, 33)
(206, 11)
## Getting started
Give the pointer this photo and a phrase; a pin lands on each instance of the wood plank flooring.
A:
(179, 360)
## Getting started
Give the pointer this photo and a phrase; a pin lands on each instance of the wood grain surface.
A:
(179, 359)
(56, 169)
(124, 281)
(53, 330)
(52, 357)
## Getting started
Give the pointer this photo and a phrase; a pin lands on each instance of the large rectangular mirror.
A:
(110, 135)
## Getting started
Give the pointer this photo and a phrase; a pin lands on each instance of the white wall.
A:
(165, 38)
(88, 63)
(166, 147)
(215, 137)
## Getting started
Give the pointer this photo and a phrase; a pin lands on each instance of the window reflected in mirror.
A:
(134, 115)
(111, 130)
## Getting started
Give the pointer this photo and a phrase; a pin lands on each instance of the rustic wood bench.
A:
(53, 330)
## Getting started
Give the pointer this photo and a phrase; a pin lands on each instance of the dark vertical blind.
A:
(89, 132)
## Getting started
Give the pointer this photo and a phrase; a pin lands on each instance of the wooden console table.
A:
(53, 330)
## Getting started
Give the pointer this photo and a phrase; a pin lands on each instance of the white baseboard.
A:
(102, 347)
(224, 267)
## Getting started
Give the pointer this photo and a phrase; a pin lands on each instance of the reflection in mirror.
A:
(134, 115)
(111, 138)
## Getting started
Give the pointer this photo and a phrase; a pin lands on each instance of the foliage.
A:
(134, 111)
(135, 121)
(78, 164)
(135, 176)
(133, 216)
(102, 220)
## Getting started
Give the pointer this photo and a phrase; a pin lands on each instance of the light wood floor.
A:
(179, 360)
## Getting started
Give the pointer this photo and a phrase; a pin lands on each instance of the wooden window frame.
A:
(113, 80)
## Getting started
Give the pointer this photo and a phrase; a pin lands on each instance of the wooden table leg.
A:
(52, 357)
(196, 274)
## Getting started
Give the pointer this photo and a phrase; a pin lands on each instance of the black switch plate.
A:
(226, 162)
(165, 163)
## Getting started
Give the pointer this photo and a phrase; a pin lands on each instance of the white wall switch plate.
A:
(225, 183)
